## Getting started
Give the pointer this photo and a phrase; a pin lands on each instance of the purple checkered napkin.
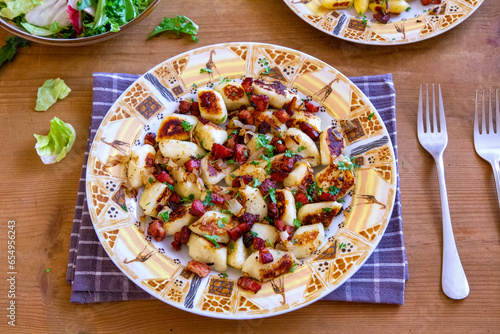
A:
(95, 278)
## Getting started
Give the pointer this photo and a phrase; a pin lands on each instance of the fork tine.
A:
(442, 119)
(490, 116)
(427, 120)
(476, 112)
(434, 118)
(420, 115)
(483, 118)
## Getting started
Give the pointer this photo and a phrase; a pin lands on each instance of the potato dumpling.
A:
(180, 151)
(140, 159)
(301, 176)
(396, 7)
(212, 106)
(286, 206)
(337, 175)
(306, 240)
(361, 6)
(321, 212)
(177, 219)
(253, 144)
(278, 93)
(190, 185)
(236, 253)
(282, 262)
(253, 201)
(212, 172)
(234, 94)
(246, 169)
(268, 233)
(209, 134)
(263, 118)
(158, 193)
(331, 144)
(200, 249)
(214, 223)
(177, 127)
(300, 143)
(336, 4)
(304, 117)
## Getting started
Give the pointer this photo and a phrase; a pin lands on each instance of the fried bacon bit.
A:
(310, 107)
(428, 2)
(325, 196)
(273, 210)
(287, 163)
(164, 177)
(309, 130)
(231, 141)
(265, 255)
(241, 153)
(383, 18)
(197, 209)
(185, 107)
(248, 239)
(261, 102)
(278, 144)
(192, 164)
(150, 139)
(266, 185)
(248, 85)
(176, 198)
(249, 218)
(195, 109)
(217, 199)
(246, 179)
(247, 283)
(288, 107)
(234, 233)
(282, 115)
(264, 127)
(302, 198)
(221, 152)
(156, 230)
(203, 120)
(159, 207)
(289, 229)
(259, 244)
(278, 176)
(176, 244)
(184, 235)
(280, 225)
(200, 269)
(246, 117)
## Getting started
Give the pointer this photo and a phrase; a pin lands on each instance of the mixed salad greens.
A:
(71, 18)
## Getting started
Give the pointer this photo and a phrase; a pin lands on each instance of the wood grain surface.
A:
(41, 198)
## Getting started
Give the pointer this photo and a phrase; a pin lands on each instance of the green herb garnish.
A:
(186, 125)
(165, 216)
(255, 234)
(205, 70)
(327, 209)
(255, 163)
(187, 199)
(207, 201)
(289, 153)
(297, 223)
(150, 180)
(272, 195)
(266, 66)
(371, 115)
(213, 238)
(292, 269)
(301, 148)
(224, 275)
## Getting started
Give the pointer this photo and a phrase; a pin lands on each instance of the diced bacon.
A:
(195, 109)
(280, 225)
(231, 141)
(159, 207)
(165, 177)
(248, 85)
(325, 196)
(265, 256)
(428, 2)
(289, 229)
(249, 218)
(266, 185)
(156, 230)
(287, 163)
(248, 239)
(184, 235)
(203, 120)
(217, 199)
(241, 152)
(176, 198)
(278, 176)
(247, 283)
(200, 269)
(197, 208)
(246, 117)
(150, 139)
(192, 164)
(221, 152)
(310, 107)
(309, 130)
(288, 107)
(302, 198)
(234, 233)
(273, 210)
(245, 178)
(176, 245)
(282, 115)
(259, 243)
(261, 102)
(264, 127)
(185, 107)
(279, 147)
(382, 18)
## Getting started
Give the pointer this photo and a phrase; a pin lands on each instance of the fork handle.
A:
(453, 279)
(496, 172)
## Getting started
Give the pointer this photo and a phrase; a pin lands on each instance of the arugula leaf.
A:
(177, 25)
(186, 125)
(213, 238)
(8, 51)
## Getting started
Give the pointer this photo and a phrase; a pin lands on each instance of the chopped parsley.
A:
(150, 180)
(205, 70)
(255, 234)
(363, 18)
(408, 9)
(327, 209)
(268, 165)
(263, 141)
(289, 153)
(201, 156)
(195, 85)
(298, 205)
(297, 223)
(171, 187)
(292, 269)
(222, 222)
(187, 199)
(333, 190)
(165, 216)
(343, 165)
(341, 200)
(222, 80)
(226, 211)
(124, 207)
(213, 238)
(342, 246)
(266, 66)
(224, 275)
(268, 219)
(272, 195)
(293, 191)
(238, 195)
(231, 247)
(256, 183)
(371, 115)
(223, 119)
(230, 161)
(186, 125)
(207, 201)
(301, 148)
(255, 163)
(233, 176)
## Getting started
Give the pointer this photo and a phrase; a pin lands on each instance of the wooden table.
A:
(41, 198)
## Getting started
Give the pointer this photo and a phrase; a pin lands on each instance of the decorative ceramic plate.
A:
(418, 23)
(160, 270)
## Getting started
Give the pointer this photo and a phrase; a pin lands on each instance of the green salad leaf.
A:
(56, 145)
(177, 25)
(8, 51)
(48, 94)
(14, 8)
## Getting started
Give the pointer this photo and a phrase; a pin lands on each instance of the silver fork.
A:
(487, 143)
(434, 140)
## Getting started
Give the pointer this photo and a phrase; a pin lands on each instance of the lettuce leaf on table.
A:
(8, 51)
(50, 91)
(55, 146)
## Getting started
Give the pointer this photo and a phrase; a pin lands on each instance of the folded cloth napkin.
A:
(95, 278)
